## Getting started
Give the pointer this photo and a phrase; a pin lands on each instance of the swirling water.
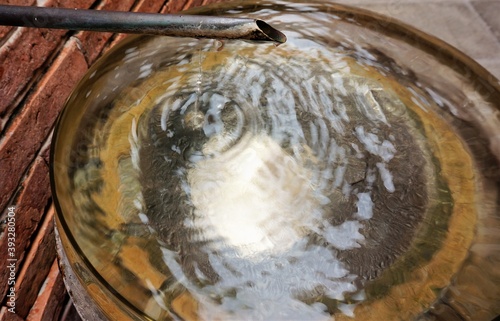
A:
(270, 171)
(311, 181)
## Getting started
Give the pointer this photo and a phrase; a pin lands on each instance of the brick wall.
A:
(38, 70)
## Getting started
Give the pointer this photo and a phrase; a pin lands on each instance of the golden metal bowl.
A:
(350, 173)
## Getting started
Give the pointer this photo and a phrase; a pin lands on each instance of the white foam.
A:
(345, 236)
(167, 108)
(277, 283)
(386, 176)
(145, 70)
(338, 83)
(347, 309)
(385, 149)
(144, 218)
(134, 147)
(365, 206)
(368, 105)
(137, 204)
(157, 295)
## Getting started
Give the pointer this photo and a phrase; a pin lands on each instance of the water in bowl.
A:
(347, 174)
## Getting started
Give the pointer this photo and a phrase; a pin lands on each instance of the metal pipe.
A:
(144, 23)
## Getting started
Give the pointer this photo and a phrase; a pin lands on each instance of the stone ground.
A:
(38, 69)
(472, 26)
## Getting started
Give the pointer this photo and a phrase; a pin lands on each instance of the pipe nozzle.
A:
(143, 23)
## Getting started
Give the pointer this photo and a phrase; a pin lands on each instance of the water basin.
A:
(351, 173)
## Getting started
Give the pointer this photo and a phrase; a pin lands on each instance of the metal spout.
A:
(143, 23)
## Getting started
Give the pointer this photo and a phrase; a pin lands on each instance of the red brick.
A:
(50, 300)
(5, 315)
(192, 4)
(81, 4)
(142, 6)
(92, 43)
(148, 6)
(33, 198)
(24, 54)
(174, 6)
(34, 123)
(207, 2)
(18, 2)
(36, 266)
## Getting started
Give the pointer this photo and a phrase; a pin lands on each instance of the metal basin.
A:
(350, 173)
